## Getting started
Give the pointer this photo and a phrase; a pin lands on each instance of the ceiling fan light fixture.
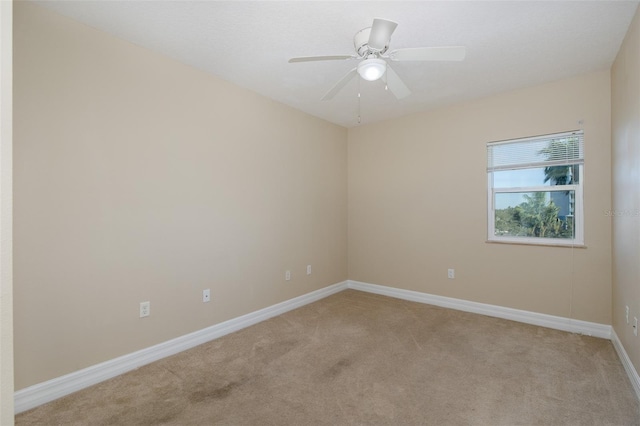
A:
(372, 69)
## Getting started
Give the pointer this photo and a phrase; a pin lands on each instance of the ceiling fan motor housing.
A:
(361, 43)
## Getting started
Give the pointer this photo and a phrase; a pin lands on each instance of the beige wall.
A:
(6, 284)
(138, 178)
(418, 203)
(625, 88)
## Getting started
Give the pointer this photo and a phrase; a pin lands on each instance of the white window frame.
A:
(578, 221)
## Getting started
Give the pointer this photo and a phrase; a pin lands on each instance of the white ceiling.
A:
(510, 44)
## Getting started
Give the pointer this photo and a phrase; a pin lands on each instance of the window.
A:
(535, 189)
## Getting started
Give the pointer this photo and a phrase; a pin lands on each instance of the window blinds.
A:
(541, 151)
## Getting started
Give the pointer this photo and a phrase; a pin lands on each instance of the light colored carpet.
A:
(361, 359)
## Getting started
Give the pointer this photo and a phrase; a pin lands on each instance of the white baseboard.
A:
(549, 321)
(626, 363)
(41, 393)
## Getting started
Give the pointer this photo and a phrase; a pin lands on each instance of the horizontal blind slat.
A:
(549, 150)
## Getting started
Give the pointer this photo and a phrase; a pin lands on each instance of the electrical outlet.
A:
(626, 313)
(308, 269)
(206, 295)
(451, 273)
(635, 326)
(145, 309)
(287, 275)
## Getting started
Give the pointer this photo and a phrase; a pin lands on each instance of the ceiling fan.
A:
(371, 46)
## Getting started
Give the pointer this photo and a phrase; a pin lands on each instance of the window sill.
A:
(528, 243)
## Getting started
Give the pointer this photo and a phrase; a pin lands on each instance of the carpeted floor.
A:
(361, 359)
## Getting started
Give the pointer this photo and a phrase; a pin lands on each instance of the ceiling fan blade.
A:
(445, 53)
(396, 85)
(321, 58)
(380, 34)
(339, 85)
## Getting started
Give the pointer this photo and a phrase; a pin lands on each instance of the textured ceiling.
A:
(510, 44)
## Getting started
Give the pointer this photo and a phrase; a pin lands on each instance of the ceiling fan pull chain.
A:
(359, 120)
